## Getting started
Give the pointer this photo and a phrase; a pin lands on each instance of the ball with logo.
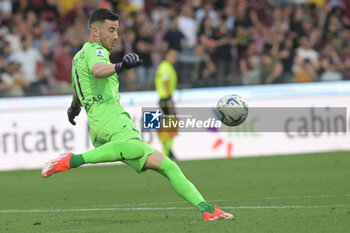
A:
(232, 110)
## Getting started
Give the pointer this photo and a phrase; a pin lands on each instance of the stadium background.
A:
(273, 53)
(222, 43)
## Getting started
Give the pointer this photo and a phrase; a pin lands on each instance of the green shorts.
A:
(123, 129)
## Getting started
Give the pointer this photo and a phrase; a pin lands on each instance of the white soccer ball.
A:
(232, 110)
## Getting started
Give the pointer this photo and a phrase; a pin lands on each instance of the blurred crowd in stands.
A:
(220, 42)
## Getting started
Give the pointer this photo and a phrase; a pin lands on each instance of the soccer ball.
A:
(232, 110)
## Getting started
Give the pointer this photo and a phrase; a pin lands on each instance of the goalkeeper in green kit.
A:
(113, 134)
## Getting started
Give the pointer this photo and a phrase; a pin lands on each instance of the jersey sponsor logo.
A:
(100, 53)
(151, 119)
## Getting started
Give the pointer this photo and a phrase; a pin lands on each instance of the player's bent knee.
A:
(136, 149)
(132, 149)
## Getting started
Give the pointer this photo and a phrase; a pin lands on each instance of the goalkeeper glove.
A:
(130, 60)
(72, 112)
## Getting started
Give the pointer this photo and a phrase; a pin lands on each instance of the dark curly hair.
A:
(100, 15)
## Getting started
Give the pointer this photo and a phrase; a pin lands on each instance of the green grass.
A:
(299, 193)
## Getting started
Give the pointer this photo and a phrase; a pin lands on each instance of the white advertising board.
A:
(34, 130)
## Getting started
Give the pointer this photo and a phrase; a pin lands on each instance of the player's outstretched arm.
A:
(102, 70)
(74, 109)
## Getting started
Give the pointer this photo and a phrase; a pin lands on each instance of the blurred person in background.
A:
(166, 82)
(296, 21)
(173, 38)
(332, 30)
(11, 79)
(187, 25)
(5, 9)
(259, 11)
(143, 45)
(29, 20)
(249, 65)
(346, 6)
(160, 13)
(304, 53)
(38, 35)
(281, 47)
(204, 49)
(76, 34)
(242, 30)
(137, 19)
(345, 60)
(241, 39)
(158, 35)
(229, 15)
(311, 31)
(20, 7)
(271, 69)
(205, 33)
(222, 55)
(61, 69)
(261, 35)
(280, 22)
(128, 78)
(344, 39)
(306, 72)
(330, 64)
(13, 37)
(208, 68)
(31, 61)
(207, 11)
(286, 13)
(243, 18)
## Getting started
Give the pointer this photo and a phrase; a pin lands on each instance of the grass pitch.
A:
(300, 193)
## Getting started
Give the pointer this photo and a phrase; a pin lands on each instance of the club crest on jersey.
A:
(100, 53)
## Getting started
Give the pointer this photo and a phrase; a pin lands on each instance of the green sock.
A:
(180, 183)
(76, 161)
(205, 207)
